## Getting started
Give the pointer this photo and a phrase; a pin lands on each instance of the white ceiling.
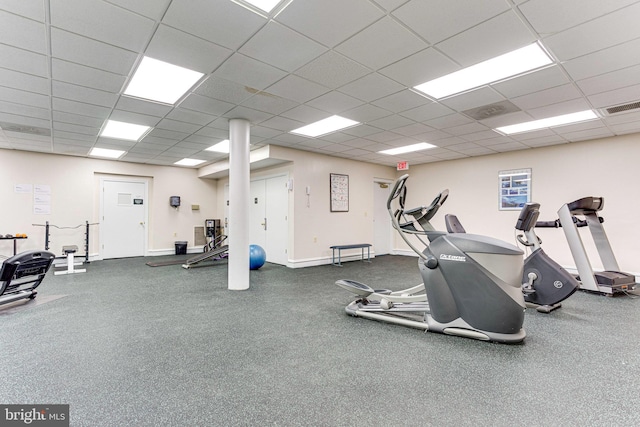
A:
(64, 65)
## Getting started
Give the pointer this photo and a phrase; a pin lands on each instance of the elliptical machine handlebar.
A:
(421, 214)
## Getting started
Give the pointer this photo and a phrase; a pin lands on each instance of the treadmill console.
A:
(586, 205)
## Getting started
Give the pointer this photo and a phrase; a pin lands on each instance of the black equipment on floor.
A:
(21, 274)
(545, 283)
(471, 284)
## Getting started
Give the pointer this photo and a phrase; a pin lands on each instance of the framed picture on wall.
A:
(514, 189)
(339, 192)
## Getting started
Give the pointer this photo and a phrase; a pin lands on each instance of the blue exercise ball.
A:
(257, 257)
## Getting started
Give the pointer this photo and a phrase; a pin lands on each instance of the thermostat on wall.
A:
(174, 201)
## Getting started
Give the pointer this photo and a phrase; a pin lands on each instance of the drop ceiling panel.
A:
(153, 9)
(610, 81)
(22, 60)
(366, 113)
(494, 37)
(86, 17)
(62, 117)
(281, 47)
(616, 97)
(22, 32)
(268, 103)
(401, 101)
(421, 67)
(83, 94)
(437, 20)
(24, 110)
(473, 99)
(206, 105)
(224, 90)
(189, 116)
(603, 32)
(23, 97)
(135, 118)
(79, 108)
(329, 21)
(552, 16)
(141, 106)
(335, 102)
(371, 87)
(332, 70)
(86, 76)
(547, 97)
(92, 53)
(18, 80)
(254, 116)
(381, 43)
(220, 21)
(179, 48)
(248, 71)
(30, 9)
(532, 82)
(297, 89)
(604, 61)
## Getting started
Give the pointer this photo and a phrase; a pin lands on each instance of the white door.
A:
(124, 217)
(382, 228)
(257, 215)
(277, 211)
(268, 217)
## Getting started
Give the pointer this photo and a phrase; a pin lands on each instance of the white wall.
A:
(75, 198)
(560, 174)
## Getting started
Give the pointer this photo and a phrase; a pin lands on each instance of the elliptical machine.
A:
(471, 283)
(545, 283)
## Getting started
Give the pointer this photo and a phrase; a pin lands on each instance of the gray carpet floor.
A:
(126, 344)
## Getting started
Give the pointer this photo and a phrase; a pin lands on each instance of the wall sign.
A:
(339, 186)
(514, 188)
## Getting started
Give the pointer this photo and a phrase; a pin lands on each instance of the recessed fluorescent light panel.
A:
(106, 153)
(510, 64)
(220, 147)
(581, 116)
(408, 148)
(160, 81)
(188, 162)
(266, 5)
(122, 130)
(325, 126)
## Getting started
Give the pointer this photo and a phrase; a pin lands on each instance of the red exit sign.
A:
(403, 166)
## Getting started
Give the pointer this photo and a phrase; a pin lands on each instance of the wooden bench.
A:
(339, 248)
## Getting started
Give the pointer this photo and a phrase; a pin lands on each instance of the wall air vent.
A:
(621, 108)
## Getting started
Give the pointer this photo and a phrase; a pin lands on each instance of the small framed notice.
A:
(339, 191)
(514, 187)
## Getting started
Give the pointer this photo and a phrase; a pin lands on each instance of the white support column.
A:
(239, 195)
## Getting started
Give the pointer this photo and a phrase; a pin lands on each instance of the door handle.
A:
(264, 224)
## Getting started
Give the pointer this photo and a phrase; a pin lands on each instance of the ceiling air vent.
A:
(621, 108)
(492, 110)
(33, 130)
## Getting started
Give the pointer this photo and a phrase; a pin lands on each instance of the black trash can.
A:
(181, 248)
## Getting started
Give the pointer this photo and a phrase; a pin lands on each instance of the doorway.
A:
(123, 219)
(268, 216)
(382, 228)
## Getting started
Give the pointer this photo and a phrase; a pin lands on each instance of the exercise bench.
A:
(339, 248)
(69, 252)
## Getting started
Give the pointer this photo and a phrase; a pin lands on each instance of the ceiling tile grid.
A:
(64, 65)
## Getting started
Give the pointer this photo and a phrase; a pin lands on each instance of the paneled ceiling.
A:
(65, 63)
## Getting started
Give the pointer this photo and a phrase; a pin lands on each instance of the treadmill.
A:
(609, 281)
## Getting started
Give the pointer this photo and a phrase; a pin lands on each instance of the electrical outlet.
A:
(175, 234)
(315, 239)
